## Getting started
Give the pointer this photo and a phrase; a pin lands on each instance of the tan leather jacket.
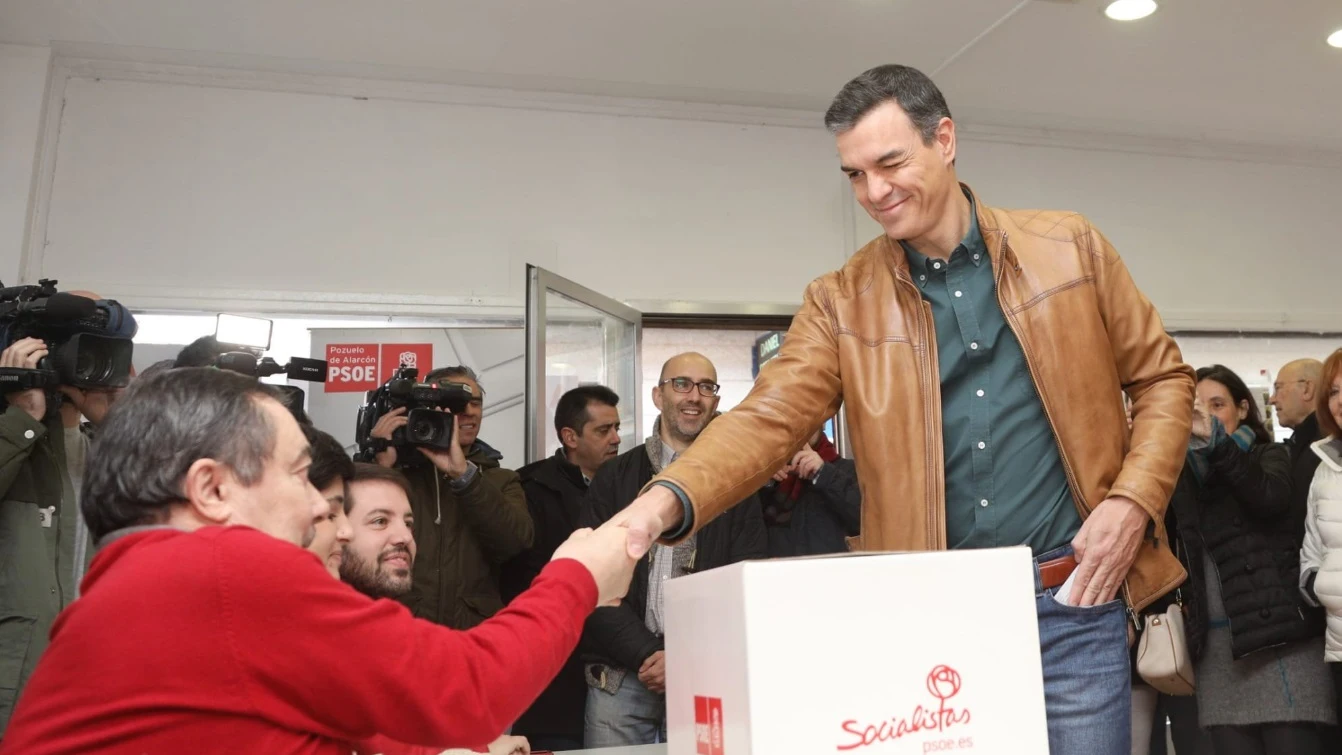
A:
(864, 337)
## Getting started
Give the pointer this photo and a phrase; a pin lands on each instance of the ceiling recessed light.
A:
(1130, 10)
(1335, 39)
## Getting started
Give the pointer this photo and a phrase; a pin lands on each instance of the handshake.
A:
(611, 551)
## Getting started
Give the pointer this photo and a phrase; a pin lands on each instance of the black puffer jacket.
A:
(1242, 516)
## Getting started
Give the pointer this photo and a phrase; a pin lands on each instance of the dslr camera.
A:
(425, 427)
(88, 341)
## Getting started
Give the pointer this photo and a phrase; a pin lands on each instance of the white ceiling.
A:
(1253, 71)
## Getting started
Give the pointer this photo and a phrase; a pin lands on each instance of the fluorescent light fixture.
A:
(1335, 39)
(1130, 10)
(236, 330)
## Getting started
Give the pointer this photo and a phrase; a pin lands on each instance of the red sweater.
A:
(228, 640)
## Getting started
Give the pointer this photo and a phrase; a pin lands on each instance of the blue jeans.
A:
(634, 715)
(1087, 674)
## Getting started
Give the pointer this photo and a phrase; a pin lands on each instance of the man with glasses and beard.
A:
(623, 645)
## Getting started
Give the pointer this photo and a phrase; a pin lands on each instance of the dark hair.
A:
(459, 371)
(162, 365)
(907, 87)
(376, 472)
(329, 460)
(572, 409)
(1331, 367)
(1239, 393)
(201, 352)
(163, 425)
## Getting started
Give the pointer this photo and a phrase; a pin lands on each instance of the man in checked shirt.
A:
(622, 645)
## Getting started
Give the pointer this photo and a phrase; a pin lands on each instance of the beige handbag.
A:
(1162, 657)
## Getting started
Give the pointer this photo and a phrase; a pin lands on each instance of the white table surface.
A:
(643, 750)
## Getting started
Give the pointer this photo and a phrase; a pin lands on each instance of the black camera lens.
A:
(428, 428)
(90, 367)
(88, 360)
(422, 431)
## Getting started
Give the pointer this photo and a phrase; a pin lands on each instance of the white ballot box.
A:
(880, 654)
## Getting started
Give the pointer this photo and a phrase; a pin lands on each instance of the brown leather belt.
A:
(1053, 573)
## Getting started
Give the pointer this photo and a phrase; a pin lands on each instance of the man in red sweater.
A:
(204, 627)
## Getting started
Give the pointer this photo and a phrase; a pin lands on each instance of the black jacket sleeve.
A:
(1260, 479)
(749, 539)
(838, 488)
(618, 633)
(517, 573)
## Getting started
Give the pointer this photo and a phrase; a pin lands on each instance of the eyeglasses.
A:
(1276, 387)
(685, 385)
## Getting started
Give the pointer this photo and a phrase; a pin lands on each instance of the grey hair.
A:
(458, 371)
(907, 87)
(162, 425)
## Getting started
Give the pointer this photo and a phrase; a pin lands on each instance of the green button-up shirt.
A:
(1005, 483)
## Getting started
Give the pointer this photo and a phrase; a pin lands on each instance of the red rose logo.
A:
(943, 683)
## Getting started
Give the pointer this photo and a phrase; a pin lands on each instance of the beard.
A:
(374, 579)
(687, 429)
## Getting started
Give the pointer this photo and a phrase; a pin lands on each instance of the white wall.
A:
(23, 81)
(205, 194)
(1216, 244)
(231, 189)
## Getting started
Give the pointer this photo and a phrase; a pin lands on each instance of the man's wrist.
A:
(464, 479)
(1138, 518)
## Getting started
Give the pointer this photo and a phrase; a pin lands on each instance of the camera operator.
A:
(470, 515)
(63, 356)
(37, 525)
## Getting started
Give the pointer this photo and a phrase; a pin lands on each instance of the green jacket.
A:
(38, 519)
(462, 536)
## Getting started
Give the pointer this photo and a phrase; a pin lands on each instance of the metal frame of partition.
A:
(539, 282)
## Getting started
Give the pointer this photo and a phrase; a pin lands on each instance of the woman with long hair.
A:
(1261, 684)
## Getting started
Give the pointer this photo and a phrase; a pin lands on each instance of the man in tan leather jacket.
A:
(982, 356)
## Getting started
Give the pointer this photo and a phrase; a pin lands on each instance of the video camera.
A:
(244, 339)
(425, 427)
(88, 341)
